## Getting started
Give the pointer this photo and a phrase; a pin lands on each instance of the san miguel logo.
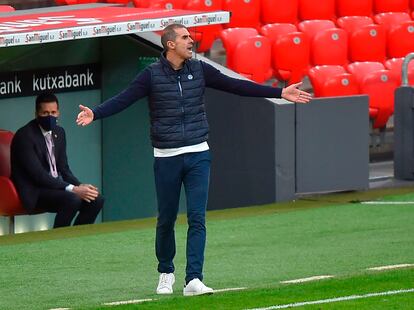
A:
(62, 79)
(31, 24)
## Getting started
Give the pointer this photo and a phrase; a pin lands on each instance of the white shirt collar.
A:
(44, 132)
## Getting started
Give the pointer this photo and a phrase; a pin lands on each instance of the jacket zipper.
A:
(182, 106)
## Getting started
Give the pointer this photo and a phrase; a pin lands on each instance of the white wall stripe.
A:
(302, 280)
(331, 300)
(391, 267)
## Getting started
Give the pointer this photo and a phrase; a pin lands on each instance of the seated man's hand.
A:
(86, 192)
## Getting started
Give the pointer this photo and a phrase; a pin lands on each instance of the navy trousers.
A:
(193, 171)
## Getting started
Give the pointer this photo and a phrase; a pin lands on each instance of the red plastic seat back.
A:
(391, 19)
(203, 5)
(368, 43)
(362, 69)
(290, 57)
(380, 87)
(6, 8)
(231, 37)
(279, 11)
(354, 7)
(343, 84)
(330, 47)
(319, 74)
(5, 142)
(252, 58)
(312, 27)
(395, 66)
(381, 6)
(352, 23)
(401, 40)
(273, 31)
(322, 9)
(245, 13)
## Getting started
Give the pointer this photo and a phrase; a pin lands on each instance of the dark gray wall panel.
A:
(332, 144)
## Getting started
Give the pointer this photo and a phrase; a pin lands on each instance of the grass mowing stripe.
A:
(230, 289)
(387, 202)
(127, 302)
(337, 299)
(137, 301)
(391, 267)
(308, 279)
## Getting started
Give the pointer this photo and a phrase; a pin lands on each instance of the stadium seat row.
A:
(290, 50)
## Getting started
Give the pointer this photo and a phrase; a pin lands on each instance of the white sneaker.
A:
(165, 283)
(196, 287)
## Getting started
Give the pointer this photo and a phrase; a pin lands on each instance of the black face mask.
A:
(47, 122)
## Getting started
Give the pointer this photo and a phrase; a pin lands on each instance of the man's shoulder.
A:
(28, 128)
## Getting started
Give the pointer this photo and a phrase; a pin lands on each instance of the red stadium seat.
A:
(231, 37)
(279, 11)
(258, 67)
(6, 8)
(368, 43)
(331, 81)
(156, 4)
(10, 204)
(141, 3)
(203, 5)
(330, 47)
(354, 7)
(352, 23)
(391, 19)
(381, 6)
(401, 40)
(244, 13)
(322, 9)
(312, 27)
(379, 85)
(290, 57)
(395, 67)
(66, 2)
(361, 68)
(204, 35)
(273, 31)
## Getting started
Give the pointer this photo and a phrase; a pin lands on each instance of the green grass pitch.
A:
(254, 247)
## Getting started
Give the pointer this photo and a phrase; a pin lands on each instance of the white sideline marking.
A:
(60, 309)
(391, 267)
(314, 278)
(387, 202)
(230, 289)
(127, 302)
(330, 300)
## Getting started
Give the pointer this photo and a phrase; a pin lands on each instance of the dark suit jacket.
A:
(30, 169)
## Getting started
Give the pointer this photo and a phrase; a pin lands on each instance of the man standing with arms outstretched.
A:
(175, 88)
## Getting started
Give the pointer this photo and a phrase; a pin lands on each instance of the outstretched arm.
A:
(137, 89)
(215, 79)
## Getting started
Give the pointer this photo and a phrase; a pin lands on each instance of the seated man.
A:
(40, 170)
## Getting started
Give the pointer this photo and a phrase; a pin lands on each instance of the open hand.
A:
(292, 93)
(85, 116)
